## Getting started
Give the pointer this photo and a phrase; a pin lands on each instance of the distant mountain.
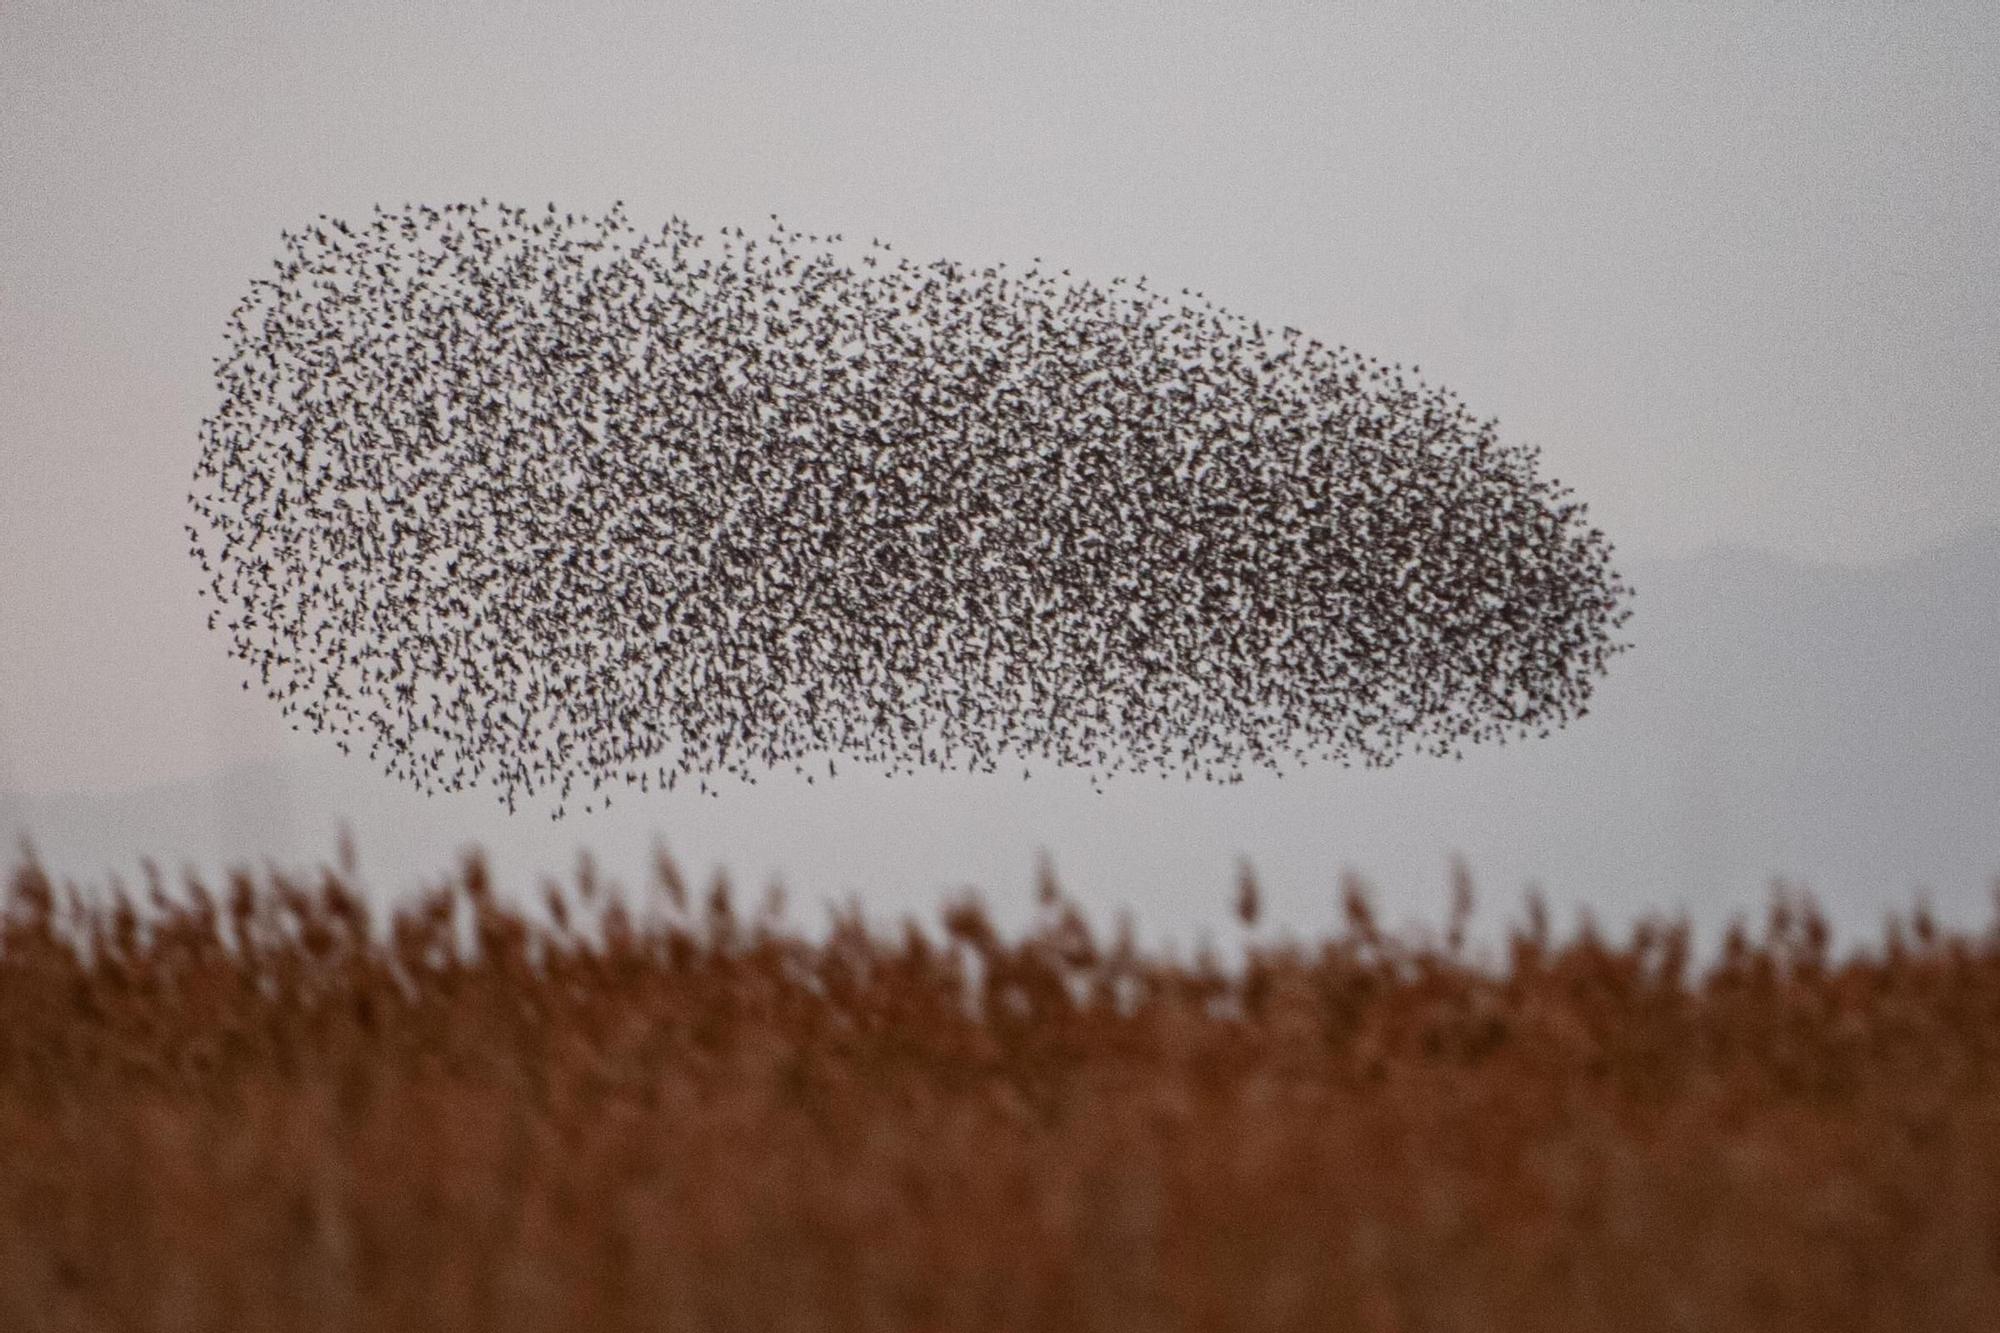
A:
(1837, 725)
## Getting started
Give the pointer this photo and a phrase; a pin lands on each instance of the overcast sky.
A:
(1734, 268)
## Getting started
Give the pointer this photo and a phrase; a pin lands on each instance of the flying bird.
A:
(543, 498)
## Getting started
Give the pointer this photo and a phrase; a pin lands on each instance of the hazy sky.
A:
(1735, 269)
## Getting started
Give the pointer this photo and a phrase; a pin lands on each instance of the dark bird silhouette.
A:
(539, 499)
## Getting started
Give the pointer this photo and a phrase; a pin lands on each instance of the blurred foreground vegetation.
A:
(265, 1107)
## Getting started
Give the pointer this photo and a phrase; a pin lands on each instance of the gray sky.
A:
(1734, 268)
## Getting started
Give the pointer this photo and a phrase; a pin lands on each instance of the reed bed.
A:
(266, 1106)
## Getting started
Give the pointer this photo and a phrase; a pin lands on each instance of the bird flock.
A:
(541, 499)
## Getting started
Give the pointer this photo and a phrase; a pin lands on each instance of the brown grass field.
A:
(264, 1108)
